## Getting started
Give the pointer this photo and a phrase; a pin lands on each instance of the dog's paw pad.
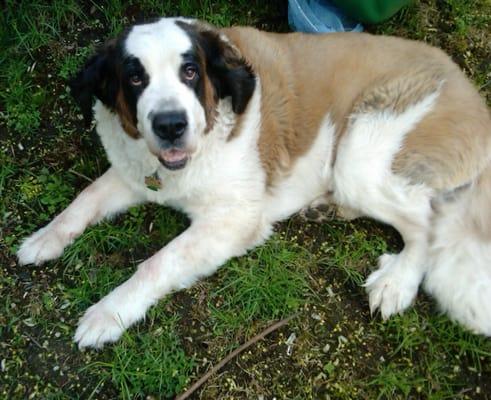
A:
(98, 326)
(319, 213)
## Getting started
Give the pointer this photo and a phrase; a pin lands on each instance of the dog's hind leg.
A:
(394, 285)
(363, 180)
(105, 196)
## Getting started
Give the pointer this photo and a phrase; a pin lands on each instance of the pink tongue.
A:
(173, 155)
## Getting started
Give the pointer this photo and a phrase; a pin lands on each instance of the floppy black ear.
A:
(96, 79)
(229, 71)
(239, 82)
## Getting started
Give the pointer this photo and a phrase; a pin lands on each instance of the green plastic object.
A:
(370, 11)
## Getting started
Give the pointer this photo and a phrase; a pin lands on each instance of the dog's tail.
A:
(459, 274)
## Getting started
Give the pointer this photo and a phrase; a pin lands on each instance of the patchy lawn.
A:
(340, 352)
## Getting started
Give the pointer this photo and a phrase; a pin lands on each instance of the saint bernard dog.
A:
(240, 128)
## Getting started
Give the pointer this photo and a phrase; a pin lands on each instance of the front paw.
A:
(99, 325)
(44, 245)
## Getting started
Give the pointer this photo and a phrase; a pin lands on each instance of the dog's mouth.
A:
(173, 158)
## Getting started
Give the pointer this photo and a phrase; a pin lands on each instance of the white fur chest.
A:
(129, 156)
(220, 172)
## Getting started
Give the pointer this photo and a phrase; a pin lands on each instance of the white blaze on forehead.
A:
(159, 47)
(159, 43)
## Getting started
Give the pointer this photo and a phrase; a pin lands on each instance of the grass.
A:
(147, 363)
(72, 62)
(343, 251)
(439, 349)
(339, 351)
(270, 283)
(21, 106)
(26, 27)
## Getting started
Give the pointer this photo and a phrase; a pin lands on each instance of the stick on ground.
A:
(237, 351)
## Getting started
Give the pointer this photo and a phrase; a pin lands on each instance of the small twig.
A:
(80, 175)
(33, 341)
(238, 350)
(485, 85)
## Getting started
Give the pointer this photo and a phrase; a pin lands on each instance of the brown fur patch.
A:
(279, 143)
(209, 104)
(236, 129)
(396, 94)
(304, 77)
(478, 205)
(210, 98)
(125, 116)
(452, 145)
(128, 121)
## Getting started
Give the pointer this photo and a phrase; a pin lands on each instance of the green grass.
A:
(270, 283)
(21, 97)
(25, 27)
(148, 363)
(38, 195)
(46, 157)
(347, 252)
(430, 353)
(70, 65)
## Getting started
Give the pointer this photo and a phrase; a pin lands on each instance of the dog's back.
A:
(412, 147)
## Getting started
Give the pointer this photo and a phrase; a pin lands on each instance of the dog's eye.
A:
(136, 80)
(190, 72)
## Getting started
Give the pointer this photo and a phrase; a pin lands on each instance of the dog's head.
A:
(164, 80)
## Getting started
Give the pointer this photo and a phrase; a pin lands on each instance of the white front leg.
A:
(105, 196)
(199, 251)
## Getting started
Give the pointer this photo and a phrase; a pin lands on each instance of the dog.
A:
(240, 128)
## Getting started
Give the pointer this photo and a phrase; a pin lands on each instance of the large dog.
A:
(240, 128)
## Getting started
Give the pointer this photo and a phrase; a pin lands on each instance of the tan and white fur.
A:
(380, 126)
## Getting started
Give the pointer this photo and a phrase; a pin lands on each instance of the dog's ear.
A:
(239, 82)
(228, 71)
(97, 78)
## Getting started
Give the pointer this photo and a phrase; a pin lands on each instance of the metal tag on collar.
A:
(153, 182)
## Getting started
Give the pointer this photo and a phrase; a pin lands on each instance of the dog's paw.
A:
(393, 287)
(319, 213)
(44, 245)
(99, 325)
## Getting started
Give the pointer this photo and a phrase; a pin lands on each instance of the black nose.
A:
(169, 125)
